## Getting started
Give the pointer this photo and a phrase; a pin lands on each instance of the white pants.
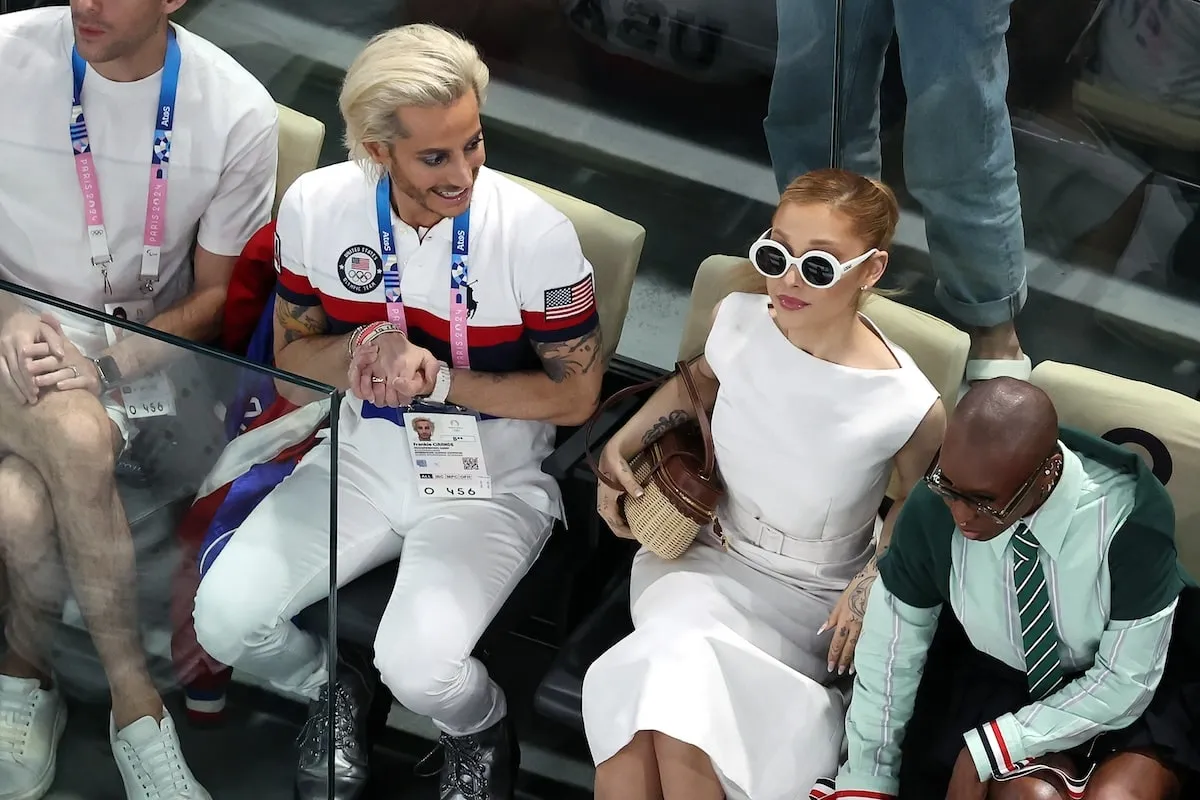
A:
(460, 560)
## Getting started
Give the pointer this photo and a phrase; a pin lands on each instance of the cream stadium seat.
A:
(1138, 118)
(300, 141)
(1163, 426)
(612, 244)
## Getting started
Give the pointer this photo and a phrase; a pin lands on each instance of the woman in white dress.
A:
(723, 689)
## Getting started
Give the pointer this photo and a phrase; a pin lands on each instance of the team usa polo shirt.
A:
(528, 283)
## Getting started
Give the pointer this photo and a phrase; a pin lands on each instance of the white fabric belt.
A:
(741, 526)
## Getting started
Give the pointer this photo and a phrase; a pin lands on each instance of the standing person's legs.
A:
(461, 561)
(959, 163)
(799, 114)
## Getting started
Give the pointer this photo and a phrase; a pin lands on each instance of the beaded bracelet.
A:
(365, 334)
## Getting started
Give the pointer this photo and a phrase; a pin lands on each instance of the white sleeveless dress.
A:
(725, 655)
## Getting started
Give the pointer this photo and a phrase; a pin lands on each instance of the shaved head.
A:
(1003, 435)
(1006, 420)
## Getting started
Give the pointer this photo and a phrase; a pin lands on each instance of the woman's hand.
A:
(608, 500)
(72, 371)
(26, 338)
(847, 618)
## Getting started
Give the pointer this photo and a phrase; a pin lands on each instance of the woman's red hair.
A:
(869, 204)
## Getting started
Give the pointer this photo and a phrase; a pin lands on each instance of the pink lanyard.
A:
(160, 158)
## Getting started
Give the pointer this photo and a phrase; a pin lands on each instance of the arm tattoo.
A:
(564, 360)
(299, 322)
(664, 424)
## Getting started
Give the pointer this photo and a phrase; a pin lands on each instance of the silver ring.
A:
(376, 379)
(75, 372)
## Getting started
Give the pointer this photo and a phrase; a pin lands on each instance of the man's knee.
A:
(421, 667)
(72, 437)
(25, 510)
(1124, 790)
(234, 610)
(1023, 789)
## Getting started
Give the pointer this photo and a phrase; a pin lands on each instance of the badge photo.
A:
(360, 269)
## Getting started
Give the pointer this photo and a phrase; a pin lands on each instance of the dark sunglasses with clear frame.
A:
(941, 487)
(817, 268)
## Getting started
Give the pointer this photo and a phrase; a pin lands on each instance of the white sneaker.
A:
(32, 721)
(151, 761)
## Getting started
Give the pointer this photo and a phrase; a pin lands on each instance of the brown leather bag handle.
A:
(684, 371)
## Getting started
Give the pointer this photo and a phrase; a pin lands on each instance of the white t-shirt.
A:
(529, 282)
(221, 183)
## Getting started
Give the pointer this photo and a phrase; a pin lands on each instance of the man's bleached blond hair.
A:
(413, 65)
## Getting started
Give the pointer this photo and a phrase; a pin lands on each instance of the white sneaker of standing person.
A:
(32, 720)
(151, 761)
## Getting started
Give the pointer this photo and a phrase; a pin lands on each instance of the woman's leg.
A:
(686, 771)
(631, 774)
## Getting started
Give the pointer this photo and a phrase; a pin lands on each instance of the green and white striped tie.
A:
(1038, 631)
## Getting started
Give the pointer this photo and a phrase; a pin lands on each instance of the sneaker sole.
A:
(42, 787)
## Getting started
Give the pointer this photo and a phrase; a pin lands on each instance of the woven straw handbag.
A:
(678, 474)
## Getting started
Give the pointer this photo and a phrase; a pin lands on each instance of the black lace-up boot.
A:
(482, 766)
(354, 690)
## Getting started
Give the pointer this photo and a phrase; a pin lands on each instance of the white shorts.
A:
(125, 426)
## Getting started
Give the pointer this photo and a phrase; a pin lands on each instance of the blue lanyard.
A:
(459, 250)
(160, 157)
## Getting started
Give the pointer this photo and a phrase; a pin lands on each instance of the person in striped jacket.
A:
(1033, 579)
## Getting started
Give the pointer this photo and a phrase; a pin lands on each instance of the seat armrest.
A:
(570, 454)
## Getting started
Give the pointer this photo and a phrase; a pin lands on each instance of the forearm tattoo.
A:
(664, 424)
(860, 589)
(563, 360)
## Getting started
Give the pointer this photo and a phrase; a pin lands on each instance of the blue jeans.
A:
(958, 147)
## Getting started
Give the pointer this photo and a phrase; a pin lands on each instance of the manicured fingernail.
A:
(841, 670)
(851, 670)
(831, 666)
(821, 629)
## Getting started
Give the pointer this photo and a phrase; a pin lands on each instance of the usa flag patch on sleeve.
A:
(566, 302)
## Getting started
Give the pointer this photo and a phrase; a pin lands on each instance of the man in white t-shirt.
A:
(92, 138)
(433, 289)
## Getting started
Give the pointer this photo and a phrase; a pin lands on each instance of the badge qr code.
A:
(470, 463)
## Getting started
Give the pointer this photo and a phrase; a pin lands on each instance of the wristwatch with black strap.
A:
(109, 372)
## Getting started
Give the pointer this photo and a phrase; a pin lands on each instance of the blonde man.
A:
(417, 279)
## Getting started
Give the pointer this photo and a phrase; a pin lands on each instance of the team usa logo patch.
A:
(361, 269)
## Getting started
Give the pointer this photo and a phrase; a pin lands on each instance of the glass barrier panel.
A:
(125, 591)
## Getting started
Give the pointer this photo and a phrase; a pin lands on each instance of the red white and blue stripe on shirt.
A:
(570, 313)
